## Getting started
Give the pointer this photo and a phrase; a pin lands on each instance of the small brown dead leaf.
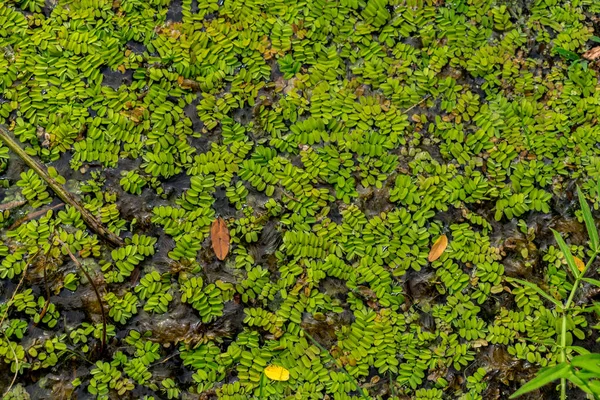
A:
(438, 248)
(219, 236)
(580, 264)
(188, 83)
(592, 54)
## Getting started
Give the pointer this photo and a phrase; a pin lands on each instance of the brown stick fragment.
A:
(33, 215)
(64, 195)
(12, 204)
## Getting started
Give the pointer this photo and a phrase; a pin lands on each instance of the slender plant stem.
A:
(6, 314)
(262, 385)
(565, 311)
(12, 204)
(89, 278)
(65, 196)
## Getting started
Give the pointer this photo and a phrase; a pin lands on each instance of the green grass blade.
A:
(263, 377)
(579, 350)
(591, 281)
(546, 376)
(582, 382)
(590, 362)
(566, 54)
(589, 220)
(537, 289)
(567, 253)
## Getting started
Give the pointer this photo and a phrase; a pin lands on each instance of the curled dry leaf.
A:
(579, 263)
(277, 373)
(592, 54)
(438, 248)
(219, 235)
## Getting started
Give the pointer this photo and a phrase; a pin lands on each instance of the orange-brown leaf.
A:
(438, 248)
(579, 263)
(219, 235)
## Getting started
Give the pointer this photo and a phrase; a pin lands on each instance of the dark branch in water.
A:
(65, 196)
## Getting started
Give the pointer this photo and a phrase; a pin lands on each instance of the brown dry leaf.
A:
(219, 235)
(438, 248)
(188, 83)
(592, 54)
(580, 264)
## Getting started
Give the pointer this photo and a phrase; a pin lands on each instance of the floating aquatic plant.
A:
(324, 150)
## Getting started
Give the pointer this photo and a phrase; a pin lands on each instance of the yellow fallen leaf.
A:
(438, 248)
(277, 373)
(580, 264)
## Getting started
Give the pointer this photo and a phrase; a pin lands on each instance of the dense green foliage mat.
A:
(338, 140)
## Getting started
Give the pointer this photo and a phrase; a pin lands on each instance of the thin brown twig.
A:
(14, 379)
(416, 105)
(89, 278)
(165, 360)
(33, 215)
